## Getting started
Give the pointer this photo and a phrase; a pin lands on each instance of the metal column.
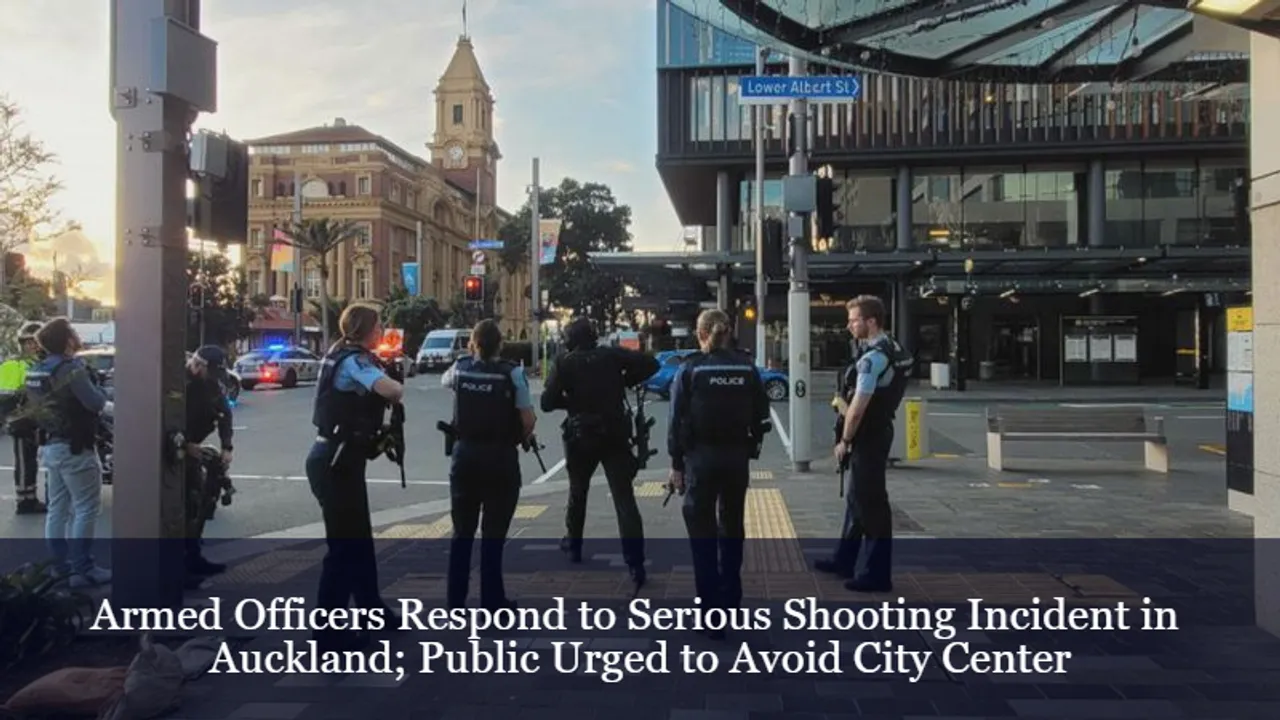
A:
(535, 257)
(422, 273)
(1096, 204)
(798, 346)
(296, 298)
(757, 193)
(724, 236)
(901, 300)
(153, 108)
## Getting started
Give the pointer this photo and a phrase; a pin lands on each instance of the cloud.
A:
(619, 166)
(74, 253)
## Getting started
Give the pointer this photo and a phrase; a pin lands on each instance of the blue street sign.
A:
(409, 276)
(756, 89)
(485, 245)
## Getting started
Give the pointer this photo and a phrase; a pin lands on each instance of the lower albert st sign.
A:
(756, 89)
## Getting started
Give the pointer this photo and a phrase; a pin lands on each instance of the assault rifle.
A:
(393, 435)
(640, 436)
(531, 444)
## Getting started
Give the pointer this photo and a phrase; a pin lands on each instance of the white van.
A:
(441, 348)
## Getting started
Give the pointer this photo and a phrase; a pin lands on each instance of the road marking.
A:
(781, 429)
(946, 456)
(947, 414)
(1019, 486)
(303, 478)
(529, 512)
(767, 518)
(1215, 449)
(1200, 417)
(1086, 487)
(1107, 405)
(550, 473)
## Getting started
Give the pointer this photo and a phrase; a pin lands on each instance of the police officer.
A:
(352, 397)
(590, 382)
(207, 410)
(873, 387)
(66, 405)
(492, 416)
(13, 380)
(719, 415)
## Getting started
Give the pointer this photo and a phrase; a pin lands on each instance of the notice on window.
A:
(1076, 348)
(1100, 348)
(1126, 348)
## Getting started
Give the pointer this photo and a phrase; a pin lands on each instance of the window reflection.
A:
(1185, 204)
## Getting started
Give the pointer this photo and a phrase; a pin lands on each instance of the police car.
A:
(278, 365)
(669, 362)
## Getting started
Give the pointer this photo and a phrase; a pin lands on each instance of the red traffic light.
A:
(473, 288)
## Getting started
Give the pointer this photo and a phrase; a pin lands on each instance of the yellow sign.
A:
(1240, 319)
(913, 431)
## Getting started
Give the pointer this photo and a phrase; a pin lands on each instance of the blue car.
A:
(775, 382)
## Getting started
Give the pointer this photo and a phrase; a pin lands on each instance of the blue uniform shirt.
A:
(524, 398)
(872, 368)
(357, 374)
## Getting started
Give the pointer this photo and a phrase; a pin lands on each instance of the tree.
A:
(593, 221)
(227, 310)
(321, 236)
(415, 315)
(26, 189)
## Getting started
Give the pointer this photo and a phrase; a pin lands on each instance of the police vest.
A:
(56, 410)
(344, 415)
(593, 383)
(884, 403)
(484, 402)
(723, 386)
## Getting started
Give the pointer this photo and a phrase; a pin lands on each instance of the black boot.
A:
(31, 506)
(572, 548)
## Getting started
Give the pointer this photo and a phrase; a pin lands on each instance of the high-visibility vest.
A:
(13, 375)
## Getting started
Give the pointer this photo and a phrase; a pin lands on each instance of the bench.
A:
(1101, 424)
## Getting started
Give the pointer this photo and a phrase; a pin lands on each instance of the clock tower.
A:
(463, 146)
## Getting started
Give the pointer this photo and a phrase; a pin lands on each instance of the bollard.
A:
(911, 432)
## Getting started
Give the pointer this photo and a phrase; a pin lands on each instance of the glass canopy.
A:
(999, 40)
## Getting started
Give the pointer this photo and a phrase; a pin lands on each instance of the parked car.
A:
(102, 360)
(775, 381)
(441, 348)
(278, 365)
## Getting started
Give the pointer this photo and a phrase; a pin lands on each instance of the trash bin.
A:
(911, 431)
(940, 376)
(986, 370)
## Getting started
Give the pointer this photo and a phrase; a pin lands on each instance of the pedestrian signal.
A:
(473, 288)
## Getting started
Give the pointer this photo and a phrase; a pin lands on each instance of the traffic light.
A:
(219, 212)
(473, 289)
(826, 209)
(774, 250)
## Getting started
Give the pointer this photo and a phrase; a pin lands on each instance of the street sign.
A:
(477, 257)
(772, 89)
(485, 245)
(477, 270)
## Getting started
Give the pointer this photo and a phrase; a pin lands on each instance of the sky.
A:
(574, 81)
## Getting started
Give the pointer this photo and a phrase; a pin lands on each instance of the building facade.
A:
(1002, 222)
(346, 172)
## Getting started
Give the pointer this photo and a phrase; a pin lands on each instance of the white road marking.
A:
(550, 473)
(946, 414)
(781, 429)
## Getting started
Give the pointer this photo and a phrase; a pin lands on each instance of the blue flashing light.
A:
(275, 347)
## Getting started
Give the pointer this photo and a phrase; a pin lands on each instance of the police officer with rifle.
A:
(719, 416)
(207, 411)
(492, 417)
(352, 397)
(871, 391)
(590, 383)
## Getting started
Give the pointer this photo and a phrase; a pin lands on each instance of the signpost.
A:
(775, 89)
(478, 262)
(485, 245)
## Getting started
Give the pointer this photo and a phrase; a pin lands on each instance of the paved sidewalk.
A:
(1068, 533)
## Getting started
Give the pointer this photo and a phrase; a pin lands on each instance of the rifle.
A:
(841, 407)
(530, 444)
(393, 441)
(640, 437)
(671, 490)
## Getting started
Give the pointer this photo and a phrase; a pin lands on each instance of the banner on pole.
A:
(409, 276)
(281, 252)
(548, 240)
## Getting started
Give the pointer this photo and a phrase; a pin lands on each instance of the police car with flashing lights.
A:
(281, 365)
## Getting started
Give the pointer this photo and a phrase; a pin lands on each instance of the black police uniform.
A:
(590, 383)
(57, 412)
(348, 425)
(719, 416)
(207, 411)
(484, 478)
(868, 522)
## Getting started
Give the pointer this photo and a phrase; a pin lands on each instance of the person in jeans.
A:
(66, 404)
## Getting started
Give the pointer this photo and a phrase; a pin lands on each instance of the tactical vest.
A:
(58, 413)
(884, 403)
(723, 386)
(484, 402)
(343, 415)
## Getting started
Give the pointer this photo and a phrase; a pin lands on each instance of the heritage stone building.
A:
(347, 172)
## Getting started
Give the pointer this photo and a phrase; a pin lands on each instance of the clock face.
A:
(455, 153)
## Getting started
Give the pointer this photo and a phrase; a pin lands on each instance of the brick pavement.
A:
(1097, 535)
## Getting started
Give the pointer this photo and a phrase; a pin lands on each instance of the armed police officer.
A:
(66, 405)
(590, 382)
(872, 389)
(719, 416)
(26, 446)
(207, 411)
(352, 397)
(492, 416)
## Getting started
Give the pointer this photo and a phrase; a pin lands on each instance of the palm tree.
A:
(319, 237)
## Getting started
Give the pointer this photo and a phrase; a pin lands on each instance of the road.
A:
(274, 433)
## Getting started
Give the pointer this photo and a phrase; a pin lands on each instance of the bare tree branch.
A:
(26, 188)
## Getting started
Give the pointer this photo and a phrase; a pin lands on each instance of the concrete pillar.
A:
(1264, 61)
(724, 233)
(903, 191)
(1096, 204)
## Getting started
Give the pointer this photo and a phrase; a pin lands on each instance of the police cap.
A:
(580, 335)
(215, 358)
(28, 331)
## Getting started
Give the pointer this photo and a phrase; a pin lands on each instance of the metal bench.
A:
(1100, 424)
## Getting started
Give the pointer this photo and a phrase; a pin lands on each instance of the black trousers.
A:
(26, 467)
(715, 500)
(581, 460)
(484, 489)
(350, 570)
(868, 518)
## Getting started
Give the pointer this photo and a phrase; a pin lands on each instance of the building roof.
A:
(464, 66)
(997, 40)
